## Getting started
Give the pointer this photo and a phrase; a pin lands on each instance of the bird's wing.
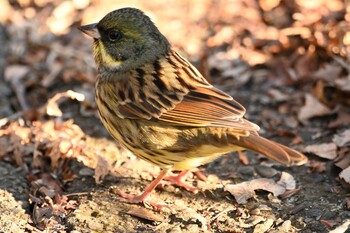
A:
(206, 107)
(177, 94)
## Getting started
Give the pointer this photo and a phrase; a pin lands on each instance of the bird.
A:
(156, 104)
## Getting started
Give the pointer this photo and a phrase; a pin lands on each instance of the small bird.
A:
(158, 105)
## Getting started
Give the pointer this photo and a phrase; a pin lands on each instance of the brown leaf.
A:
(313, 108)
(102, 169)
(15, 75)
(343, 160)
(330, 223)
(317, 167)
(342, 139)
(345, 174)
(18, 149)
(245, 190)
(243, 158)
(61, 18)
(324, 150)
(52, 108)
(325, 93)
(328, 72)
(41, 215)
(343, 118)
(278, 95)
(290, 193)
(263, 227)
(145, 214)
(267, 5)
(342, 228)
(332, 93)
(287, 181)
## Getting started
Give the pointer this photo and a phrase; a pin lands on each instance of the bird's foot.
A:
(143, 198)
(145, 195)
(180, 180)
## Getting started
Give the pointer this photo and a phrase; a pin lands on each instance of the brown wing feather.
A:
(208, 107)
(177, 94)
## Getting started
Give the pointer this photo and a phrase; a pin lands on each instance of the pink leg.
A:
(142, 198)
(200, 175)
(180, 180)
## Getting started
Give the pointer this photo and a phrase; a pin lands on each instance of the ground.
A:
(286, 62)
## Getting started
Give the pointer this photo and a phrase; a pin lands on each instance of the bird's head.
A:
(125, 39)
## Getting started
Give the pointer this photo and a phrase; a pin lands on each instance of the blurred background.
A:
(291, 40)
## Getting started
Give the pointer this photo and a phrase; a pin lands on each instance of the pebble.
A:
(247, 171)
(328, 215)
(86, 172)
(265, 171)
(316, 213)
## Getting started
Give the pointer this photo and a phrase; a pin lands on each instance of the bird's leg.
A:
(200, 175)
(142, 198)
(180, 180)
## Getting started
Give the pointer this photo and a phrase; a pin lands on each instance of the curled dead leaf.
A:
(342, 139)
(245, 190)
(345, 174)
(343, 160)
(313, 108)
(287, 181)
(102, 169)
(52, 108)
(263, 227)
(324, 150)
(342, 228)
(145, 214)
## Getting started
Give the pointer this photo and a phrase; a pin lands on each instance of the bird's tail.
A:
(272, 150)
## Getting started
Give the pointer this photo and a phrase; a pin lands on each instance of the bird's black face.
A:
(124, 39)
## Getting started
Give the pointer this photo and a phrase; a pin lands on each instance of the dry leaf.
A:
(328, 72)
(330, 222)
(268, 5)
(343, 160)
(245, 190)
(312, 108)
(278, 95)
(289, 193)
(15, 73)
(342, 139)
(52, 108)
(145, 214)
(345, 174)
(62, 17)
(343, 118)
(243, 158)
(102, 169)
(317, 166)
(343, 85)
(263, 227)
(342, 228)
(324, 150)
(287, 181)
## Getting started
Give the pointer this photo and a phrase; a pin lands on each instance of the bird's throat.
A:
(103, 58)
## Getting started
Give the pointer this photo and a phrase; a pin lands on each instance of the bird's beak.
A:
(91, 30)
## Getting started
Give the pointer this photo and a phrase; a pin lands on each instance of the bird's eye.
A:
(114, 35)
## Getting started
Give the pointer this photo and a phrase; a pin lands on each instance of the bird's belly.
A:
(203, 155)
(178, 148)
